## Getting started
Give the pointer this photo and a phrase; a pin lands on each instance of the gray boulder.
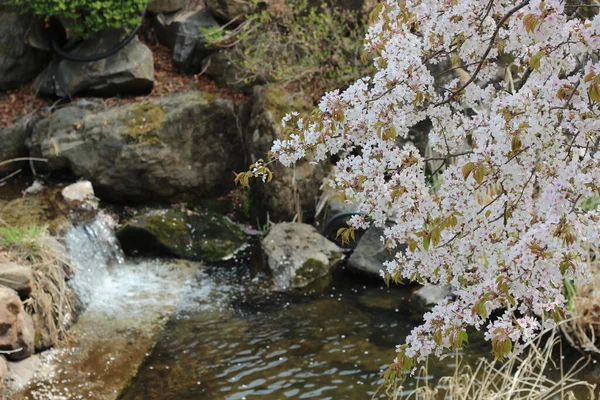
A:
(17, 277)
(370, 254)
(298, 255)
(128, 72)
(166, 6)
(19, 62)
(295, 190)
(178, 147)
(185, 33)
(16, 327)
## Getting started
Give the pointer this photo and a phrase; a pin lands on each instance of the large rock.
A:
(370, 254)
(185, 33)
(19, 63)
(16, 327)
(298, 255)
(201, 236)
(177, 147)
(293, 190)
(17, 277)
(12, 140)
(230, 10)
(166, 6)
(128, 72)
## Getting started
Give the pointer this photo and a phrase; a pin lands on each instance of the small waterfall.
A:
(94, 249)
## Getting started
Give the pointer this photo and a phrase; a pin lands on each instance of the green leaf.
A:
(594, 92)
(480, 173)
(535, 61)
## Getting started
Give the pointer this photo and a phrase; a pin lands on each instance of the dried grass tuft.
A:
(582, 330)
(51, 300)
(522, 377)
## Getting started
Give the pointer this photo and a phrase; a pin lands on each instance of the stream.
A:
(234, 340)
(218, 332)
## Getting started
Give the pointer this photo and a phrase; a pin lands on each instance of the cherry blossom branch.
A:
(486, 53)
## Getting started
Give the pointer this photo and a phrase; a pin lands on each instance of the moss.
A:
(279, 101)
(144, 122)
(214, 250)
(209, 97)
(169, 229)
(310, 270)
(187, 234)
(34, 211)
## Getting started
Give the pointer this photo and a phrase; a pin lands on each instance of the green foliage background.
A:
(317, 47)
(86, 17)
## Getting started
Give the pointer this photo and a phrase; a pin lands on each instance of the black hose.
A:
(338, 216)
(345, 214)
(97, 57)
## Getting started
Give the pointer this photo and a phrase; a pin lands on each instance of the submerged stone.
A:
(201, 236)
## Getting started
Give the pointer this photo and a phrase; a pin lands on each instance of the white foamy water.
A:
(94, 250)
(127, 303)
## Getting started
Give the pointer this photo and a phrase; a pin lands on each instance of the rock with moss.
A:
(128, 72)
(298, 255)
(36, 210)
(178, 147)
(192, 235)
(293, 191)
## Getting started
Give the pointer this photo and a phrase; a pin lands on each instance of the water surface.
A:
(239, 341)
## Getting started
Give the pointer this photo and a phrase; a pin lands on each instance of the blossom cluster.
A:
(512, 92)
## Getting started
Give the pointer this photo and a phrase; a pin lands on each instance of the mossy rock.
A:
(192, 235)
(144, 123)
(42, 209)
(299, 257)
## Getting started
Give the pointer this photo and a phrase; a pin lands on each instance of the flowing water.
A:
(234, 340)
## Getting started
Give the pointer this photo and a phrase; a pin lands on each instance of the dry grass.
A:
(519, 378)
(583, 329)
(51, 300)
